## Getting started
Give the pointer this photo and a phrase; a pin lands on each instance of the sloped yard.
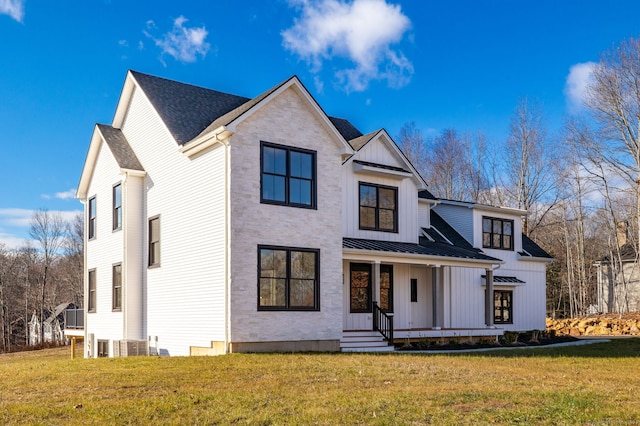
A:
(572, 385)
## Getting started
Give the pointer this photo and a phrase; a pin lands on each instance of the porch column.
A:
(375, 283)
(488, 299)
(436, 295)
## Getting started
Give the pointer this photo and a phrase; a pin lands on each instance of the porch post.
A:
(375, 283)
(436, 294)
(488, 299)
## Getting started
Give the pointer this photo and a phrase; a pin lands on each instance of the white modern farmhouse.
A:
(217, 223)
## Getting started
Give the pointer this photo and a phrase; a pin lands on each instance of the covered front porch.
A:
(405, 291)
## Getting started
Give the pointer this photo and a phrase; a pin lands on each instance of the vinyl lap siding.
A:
(185, 295)
(104, 250)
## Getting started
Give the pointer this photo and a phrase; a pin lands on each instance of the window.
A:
(360, 288)
(386, 288)
(154, 241)
(378, 207)
(116, 277)
(288, 176)
(92, 291)
(288, 279)
(497, 233)
(503, 306)
(92, 218)
(117, 207)
(414, 289)
(103, 348)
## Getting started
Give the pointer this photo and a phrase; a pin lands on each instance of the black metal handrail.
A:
(383, 323)
(74, 318)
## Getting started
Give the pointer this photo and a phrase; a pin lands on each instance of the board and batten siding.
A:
(287, 119)
(103, 251)
(185, 294)
(377, 152)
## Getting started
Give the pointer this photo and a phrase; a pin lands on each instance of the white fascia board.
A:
(89, 164)
(534, 259)
(203, 142)
(384, 256)
(484, 207)
(125, 98)
(345, 148)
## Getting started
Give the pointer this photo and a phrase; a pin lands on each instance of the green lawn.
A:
(594, 384)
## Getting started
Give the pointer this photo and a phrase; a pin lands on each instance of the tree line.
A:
(44, 273)
(579, 186)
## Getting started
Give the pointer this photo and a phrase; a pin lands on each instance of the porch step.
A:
(364, 341)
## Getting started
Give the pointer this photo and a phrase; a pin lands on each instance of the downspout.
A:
(227, 242)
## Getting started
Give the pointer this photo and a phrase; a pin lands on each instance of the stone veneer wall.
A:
(603, 325)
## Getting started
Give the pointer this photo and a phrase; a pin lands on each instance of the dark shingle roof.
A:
(346, 129)
(530, 248)
(120, 148)
(186, 110)
(427, 249)
(424, 194)
(628, 252)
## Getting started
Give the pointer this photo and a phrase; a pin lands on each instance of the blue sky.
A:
(453, 64)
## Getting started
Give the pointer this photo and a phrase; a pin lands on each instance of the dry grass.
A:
(595, 384)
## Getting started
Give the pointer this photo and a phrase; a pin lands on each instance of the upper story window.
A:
(117, 206)
(287, 176)
(154, 241)
(92, 291)
(288, 279)
(91, 226)
(378, 207)
(497, 233)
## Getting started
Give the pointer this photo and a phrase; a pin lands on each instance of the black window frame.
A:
(377, 207)
(153, 242)
(92, 215)
(288, 278)
(92, 291)
(116, 209)
(500, 309)
(491, 235)
(116, 287)
(288, 177)
(361, 267)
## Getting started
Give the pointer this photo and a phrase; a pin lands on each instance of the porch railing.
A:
(383, 323)
(74, 318)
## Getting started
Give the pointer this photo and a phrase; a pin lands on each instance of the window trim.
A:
(92, 301)
(491, 234)
(362, 267)
(152, 262)
(116, 307)
(376, 227)
(500, 319)
(116, 208)
(287, 307)
(314, 178)
(92, 215)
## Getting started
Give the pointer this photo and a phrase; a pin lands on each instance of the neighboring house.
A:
(53, 326)
(217, 223)
(619, 277)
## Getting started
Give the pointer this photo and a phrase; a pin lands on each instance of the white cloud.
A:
(182, 43)
(66, 195)
(361, 31)
(13, 8)
(575, 88)
(16, 217)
